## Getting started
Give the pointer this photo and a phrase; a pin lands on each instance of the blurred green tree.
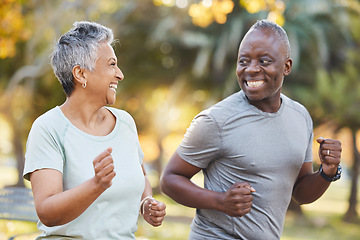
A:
(337, 100)
(175, 61)
(27, 85)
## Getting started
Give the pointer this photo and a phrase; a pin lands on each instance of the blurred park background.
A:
(179, 57)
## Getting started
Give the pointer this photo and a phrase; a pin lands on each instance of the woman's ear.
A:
(79, 74)
(288, 65)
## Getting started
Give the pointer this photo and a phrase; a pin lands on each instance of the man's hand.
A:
(154, 212)
(329, 154)
(104, 169)
(237, 200)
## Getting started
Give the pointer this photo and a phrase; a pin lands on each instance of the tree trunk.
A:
(351, 215)
(19, 154)
(158, 166)
(17, 141)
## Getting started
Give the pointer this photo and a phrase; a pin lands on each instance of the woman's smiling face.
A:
(263, 62)
(103, 80)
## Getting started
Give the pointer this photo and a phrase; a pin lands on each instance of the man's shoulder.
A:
(227, 108)
(295, 106)
(292, 103)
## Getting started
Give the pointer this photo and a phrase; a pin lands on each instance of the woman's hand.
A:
(153, 211)
(104, 169)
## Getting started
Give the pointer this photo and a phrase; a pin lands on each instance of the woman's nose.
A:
(118, 73)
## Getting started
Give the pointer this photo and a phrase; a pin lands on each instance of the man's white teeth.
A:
(254, 84)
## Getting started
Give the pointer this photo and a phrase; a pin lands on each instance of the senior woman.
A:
(83, 158)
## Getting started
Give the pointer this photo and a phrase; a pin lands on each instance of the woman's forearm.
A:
(63, 207)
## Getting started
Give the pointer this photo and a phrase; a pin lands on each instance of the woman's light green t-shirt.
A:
(55, 143)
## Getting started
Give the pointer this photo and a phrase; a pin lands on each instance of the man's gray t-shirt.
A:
(234, 141)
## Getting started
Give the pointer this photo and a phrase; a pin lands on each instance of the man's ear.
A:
(79, 74)
(288, 65)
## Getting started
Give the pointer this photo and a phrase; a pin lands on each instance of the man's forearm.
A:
(310, 188)
(185, 192)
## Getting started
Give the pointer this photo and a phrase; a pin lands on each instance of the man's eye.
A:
(265, 61)
(243, 61)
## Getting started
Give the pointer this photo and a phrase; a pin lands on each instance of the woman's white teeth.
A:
(254, 84)
(113, 87)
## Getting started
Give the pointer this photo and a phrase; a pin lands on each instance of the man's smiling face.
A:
(262, 64)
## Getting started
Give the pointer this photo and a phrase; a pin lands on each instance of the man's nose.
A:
(254, 67)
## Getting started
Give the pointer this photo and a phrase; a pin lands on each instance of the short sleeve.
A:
(309, 150)
(43, 149)
(201, 143)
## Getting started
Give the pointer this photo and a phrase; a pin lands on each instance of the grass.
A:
(322, 220)
(329, 227)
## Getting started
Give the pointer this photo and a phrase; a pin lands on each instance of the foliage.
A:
(337, 95)
(206, 12)
(178, 59)
(334, 97)
(12, 27)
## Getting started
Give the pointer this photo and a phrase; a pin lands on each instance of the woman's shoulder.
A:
(50, 123)
(49, 118)
(122, 114)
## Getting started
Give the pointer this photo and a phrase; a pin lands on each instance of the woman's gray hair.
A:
(79, 46)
